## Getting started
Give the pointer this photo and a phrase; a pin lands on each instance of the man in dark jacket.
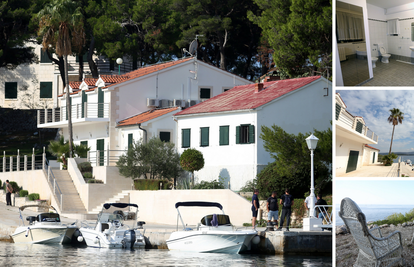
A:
(287, 202)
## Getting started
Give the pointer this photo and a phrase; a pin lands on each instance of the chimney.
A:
(258, 87)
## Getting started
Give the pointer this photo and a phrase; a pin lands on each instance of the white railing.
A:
(88, 110)
(104, 66)
(351, 122)
(326, 211)
(53, 184)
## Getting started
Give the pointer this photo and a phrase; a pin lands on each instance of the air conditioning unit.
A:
(194, 102)
(152, 102)
(165, 103)
(179, 103)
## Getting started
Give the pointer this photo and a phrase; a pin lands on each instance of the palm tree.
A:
(61, 26)
(396, 117)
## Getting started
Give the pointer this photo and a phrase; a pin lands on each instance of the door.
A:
(100, 144)
(352, 161)
(373, 158)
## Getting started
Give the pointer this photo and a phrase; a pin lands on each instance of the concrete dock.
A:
(296, 241)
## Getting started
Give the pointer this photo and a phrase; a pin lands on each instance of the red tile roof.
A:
(75, 85)
(90, 81)
(244, 97)
(146, 116)
(372, 147)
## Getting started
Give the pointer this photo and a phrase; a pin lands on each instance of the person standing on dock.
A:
(287, 202)
(272, 208)
(307, 205)
(255, 207)
(9, 190)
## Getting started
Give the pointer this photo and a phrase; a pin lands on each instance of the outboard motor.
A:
(129, 239)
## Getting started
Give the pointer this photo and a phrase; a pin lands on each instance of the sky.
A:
(374, 106)
(386, 192)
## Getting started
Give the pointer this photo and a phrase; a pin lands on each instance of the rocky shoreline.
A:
(347, 249)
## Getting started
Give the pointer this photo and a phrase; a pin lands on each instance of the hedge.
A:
(85, 167)
(34, 196)
(23, 193)
(144, 184)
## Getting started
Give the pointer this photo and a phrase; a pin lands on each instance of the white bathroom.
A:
(388, 39)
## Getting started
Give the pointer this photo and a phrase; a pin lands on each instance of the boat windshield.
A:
(221, 220)
(48, 217)
(110, 217)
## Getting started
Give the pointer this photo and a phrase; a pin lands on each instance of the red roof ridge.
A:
(371, 147)
(145, 116)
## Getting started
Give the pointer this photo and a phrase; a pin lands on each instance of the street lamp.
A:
(312, 141)
(119, 61)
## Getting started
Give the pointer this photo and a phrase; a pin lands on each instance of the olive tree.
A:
(192, 160)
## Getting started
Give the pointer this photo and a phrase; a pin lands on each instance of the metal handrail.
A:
(53, 184)
(327, 216)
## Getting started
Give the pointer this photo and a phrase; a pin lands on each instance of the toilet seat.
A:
(383, 51)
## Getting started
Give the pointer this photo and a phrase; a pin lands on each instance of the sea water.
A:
(57, 255)
(378, 212)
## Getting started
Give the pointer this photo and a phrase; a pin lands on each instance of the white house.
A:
(99, 106)
(352, 139)
(227, 128)
(40, 83)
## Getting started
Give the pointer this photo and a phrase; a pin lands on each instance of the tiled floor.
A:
(354, 71)
(394, 73)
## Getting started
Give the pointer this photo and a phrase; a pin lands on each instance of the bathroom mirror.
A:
(412, 31)
(350, 34)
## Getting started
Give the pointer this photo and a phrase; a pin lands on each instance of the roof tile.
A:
(146, 116)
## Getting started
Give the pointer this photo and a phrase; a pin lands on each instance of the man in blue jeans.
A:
(287, 202)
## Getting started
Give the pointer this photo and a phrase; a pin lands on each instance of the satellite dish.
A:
(193, 47)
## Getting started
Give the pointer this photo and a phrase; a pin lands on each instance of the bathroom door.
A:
(351, 35)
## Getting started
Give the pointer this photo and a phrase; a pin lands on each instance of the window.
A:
(10, 90)
(245, 134)
(205, 93)
(226, 89)
(204, 133)
(185, 137)
(44, 58)
(130, 140)
(337, 111)
(84, 57)
(165, 136)
(224, 135)
(46, 89)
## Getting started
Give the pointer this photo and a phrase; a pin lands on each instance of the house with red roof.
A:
(353, 139)
(227, 127)
(111, 112)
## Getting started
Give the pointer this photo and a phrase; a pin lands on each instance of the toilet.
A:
(374, 60)
(384, 55)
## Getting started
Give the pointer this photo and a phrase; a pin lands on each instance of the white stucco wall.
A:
(369, 155)
(343, 147)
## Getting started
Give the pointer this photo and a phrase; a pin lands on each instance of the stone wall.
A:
(295, 221)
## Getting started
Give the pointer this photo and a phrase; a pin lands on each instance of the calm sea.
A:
(57, 255)
(378, 212)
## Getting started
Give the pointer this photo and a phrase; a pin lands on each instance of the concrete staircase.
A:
(72, 203)
(122, 197)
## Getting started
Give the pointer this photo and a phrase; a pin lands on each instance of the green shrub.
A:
(85, 167)
(1, 184)
(94, 181)
(87, 175)
(209, 185)
(23, 193)
(249, 186)
(144, 184)
(33, 196)
(397, 218)
(14, 185)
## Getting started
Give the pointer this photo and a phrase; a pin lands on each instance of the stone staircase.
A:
(122, 197)
(72, 203)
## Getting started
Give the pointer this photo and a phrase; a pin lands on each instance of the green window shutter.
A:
(224, 135)
(10, 91)
(44, 58)
(100, 144)
(130, 140)
(46, 90)
(84, 100)
(84, 143)
(204, 136)
(359, 127)
(100, 103)
(185, 138)
(337, 111)
(251, 134)
(238, 134)
(205, 92)
(165, 136)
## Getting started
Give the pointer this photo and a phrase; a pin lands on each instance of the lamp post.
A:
(119, 61)
(312, 141)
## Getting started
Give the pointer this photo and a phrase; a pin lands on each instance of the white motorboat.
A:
(214, 233)
(116, 227)
(45, 228)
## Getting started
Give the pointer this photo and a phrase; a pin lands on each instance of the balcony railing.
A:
(79, 111)
(351, 122)
(104, 157)
(104, 66)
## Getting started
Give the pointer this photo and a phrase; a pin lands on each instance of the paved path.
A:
(380, 170)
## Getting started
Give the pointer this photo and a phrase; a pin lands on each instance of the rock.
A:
(341, 230)
(404, 225)
(384, 225)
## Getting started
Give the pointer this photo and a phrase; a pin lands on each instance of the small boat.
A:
(116, 227)
(45, 228)
(214, 234)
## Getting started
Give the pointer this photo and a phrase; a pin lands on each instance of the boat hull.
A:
(211, 241)
(39, 235)
(97, 239)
